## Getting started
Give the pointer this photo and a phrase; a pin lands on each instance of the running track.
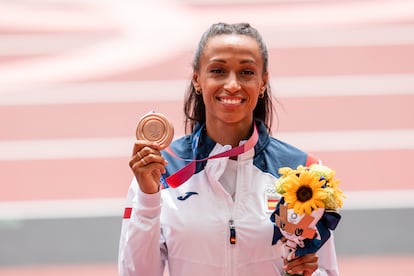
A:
(75, 76)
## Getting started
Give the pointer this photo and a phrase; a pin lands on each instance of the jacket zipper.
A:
(232, 240)
(232, 228)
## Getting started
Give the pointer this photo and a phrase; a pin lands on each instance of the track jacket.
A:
(190, 227)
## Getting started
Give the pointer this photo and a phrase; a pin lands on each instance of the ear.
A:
(265, 80)
(196, 82)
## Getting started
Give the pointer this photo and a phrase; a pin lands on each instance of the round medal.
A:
(155, 127)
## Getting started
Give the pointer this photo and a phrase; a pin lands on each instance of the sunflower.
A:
(285, 174)
(304, 192)
(285, 171)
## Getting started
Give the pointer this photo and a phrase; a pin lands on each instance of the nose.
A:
(232, 83)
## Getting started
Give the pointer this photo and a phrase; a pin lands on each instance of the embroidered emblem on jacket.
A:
(187, 195)
(271, 198)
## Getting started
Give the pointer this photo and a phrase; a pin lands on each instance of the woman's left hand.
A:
(304, 265)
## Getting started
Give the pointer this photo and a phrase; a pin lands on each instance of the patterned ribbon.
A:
(182, 175)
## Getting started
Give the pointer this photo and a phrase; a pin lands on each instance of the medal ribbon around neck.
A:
(183, 174)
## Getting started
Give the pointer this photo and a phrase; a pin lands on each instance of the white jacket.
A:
(193, 233)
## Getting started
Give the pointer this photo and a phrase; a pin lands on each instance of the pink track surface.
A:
(294, 62)
(87, 120)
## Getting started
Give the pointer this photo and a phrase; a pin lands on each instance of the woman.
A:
(217, 222)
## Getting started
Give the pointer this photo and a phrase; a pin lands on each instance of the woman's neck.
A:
(228, 134)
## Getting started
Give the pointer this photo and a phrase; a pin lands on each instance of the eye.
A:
(247, 72)
(217, 71)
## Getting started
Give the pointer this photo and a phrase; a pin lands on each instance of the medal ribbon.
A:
(183, 174)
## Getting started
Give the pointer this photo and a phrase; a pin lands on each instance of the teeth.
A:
(231, 101)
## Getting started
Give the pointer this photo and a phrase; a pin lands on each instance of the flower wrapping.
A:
(307, 210)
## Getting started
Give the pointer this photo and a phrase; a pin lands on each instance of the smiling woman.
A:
(217, 221)
(230, 80)
(75, 76)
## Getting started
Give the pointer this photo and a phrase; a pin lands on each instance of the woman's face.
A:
(230, 78)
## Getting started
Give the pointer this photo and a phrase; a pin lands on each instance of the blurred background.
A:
(76, 75)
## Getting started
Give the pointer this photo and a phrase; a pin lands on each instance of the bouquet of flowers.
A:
(307, 210)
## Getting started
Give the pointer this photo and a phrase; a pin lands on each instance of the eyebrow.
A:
(241, 62)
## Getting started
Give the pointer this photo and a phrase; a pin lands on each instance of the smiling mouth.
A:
(232, 101)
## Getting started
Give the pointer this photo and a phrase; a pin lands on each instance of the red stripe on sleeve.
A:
(127, 213)
(311, 160)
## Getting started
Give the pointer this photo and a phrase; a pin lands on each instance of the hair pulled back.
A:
(194, 108)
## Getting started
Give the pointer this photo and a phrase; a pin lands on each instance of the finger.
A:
(136, 162)
(140, 151)
(305, 264)
(309, 268)
(143, 161)
(306, 273)
(153, 157)
(141, 144)
(138, 145)
(308, 258)
(150, 170)
(147, 150)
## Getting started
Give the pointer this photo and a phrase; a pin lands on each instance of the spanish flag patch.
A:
(271, 204)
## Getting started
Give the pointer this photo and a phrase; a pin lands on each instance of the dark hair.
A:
(194, 108)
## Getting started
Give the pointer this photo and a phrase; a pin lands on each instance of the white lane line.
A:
(65, 148)
(49, 44)
(394, 139)
(339, 36)
(58, 43)
(61, 208)
(323, 13)
(110, 207)
(121, 147)
(343, 85)
(173, 90)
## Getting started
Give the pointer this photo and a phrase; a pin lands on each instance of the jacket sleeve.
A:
(142, 248)
(328, 265)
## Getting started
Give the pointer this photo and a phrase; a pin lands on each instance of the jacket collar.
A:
(205, 144)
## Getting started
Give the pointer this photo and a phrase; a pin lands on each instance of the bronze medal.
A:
(155, 127)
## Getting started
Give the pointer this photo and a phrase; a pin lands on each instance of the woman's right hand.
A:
(147, 164)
